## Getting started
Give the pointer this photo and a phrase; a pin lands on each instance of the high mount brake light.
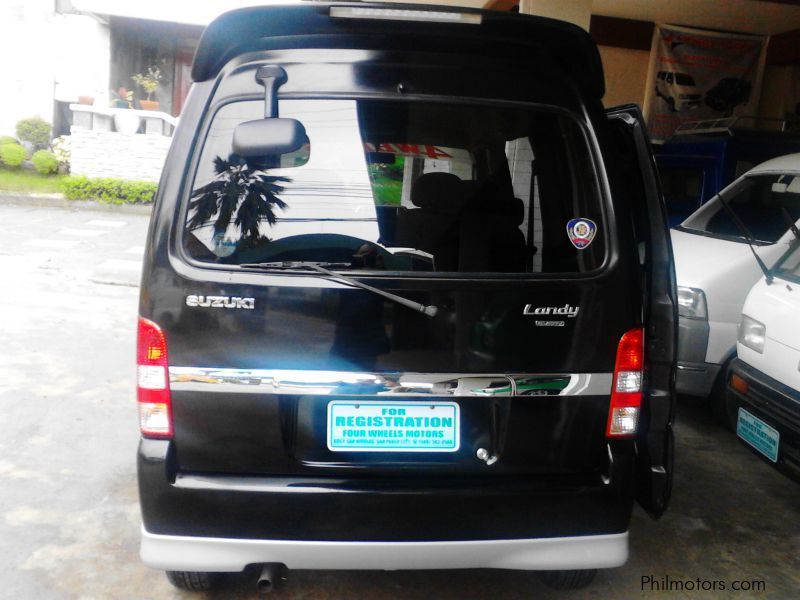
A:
(626, 390)
(395, 14)
(152, 381)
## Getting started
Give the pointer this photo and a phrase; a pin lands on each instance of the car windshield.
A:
(788, 267)
(683, 79)
(402, 186)
(682, 188)
(767, 205)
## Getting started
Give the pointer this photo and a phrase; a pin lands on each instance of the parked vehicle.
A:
(727, 94)
(705, 156)
(387, 320)
(716, 268)
(764, 381)
(678, 90)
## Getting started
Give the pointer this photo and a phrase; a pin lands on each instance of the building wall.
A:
(48, 57)
(780, 91)
(626, 74)
(134, 156)
(137, 44)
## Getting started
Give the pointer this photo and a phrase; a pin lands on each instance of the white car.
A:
(715, 268)
(679, 90)
(763, 400)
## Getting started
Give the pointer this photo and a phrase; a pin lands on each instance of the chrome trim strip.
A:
(189, 553)
(261, 485)
(352, 383)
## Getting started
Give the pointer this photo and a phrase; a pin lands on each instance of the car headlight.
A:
(692, 303)
(752, 334)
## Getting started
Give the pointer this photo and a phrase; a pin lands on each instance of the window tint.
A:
(766, 204)
(683, 79)
(401, 186)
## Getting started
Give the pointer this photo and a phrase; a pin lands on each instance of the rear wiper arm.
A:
(748, 236)
(321, 268)
(288, 265)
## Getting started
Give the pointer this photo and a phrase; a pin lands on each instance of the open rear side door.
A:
(633, 176)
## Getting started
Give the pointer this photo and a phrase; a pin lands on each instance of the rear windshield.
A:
(402, 186)
(767, 205)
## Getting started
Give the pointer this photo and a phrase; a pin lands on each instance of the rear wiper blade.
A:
(288, 265)
(322, 268)
(751, 241)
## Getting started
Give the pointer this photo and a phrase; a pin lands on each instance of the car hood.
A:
(698, 256)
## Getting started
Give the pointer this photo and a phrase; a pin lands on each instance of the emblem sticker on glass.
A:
(393, 426)
(581, 232)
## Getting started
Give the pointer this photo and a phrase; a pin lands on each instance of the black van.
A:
(408, 302)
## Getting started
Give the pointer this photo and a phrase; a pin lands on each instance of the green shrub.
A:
(108, 190)
(7, 139)
(34, 130)
(12, 155)
(45, 162)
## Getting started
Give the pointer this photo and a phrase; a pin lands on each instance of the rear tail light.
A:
(152, 381)
(626, 387)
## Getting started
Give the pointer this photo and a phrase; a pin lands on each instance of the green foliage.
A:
(7, 139)
(12, 155)
(148, 81)
(387, 182)
(45, 162)
(23, 181)
(108, 190)
(34, 130)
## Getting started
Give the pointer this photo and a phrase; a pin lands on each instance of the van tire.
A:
(723, 410)
(193, 581)
(567, 580)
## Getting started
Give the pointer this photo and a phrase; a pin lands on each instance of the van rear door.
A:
(633, 176)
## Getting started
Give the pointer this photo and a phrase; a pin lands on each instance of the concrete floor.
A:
(69, 524)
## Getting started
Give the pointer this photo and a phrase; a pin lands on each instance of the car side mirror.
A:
(268, 137)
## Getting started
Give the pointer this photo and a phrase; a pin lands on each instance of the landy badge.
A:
(581, 232)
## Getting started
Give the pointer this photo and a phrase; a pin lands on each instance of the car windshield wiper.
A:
(751, 240)
(322, 269)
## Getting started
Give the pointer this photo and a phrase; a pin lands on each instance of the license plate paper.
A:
(758, 434)
(393, 426)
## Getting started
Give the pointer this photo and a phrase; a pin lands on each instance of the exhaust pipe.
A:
(271, 576)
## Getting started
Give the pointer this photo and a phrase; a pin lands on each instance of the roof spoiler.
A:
(310, 25)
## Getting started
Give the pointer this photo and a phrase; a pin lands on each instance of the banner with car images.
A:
(699, 75)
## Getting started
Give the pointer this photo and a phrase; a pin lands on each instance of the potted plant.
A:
(122, 98)
(148, 81)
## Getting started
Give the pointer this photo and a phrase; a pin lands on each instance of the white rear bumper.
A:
(186, 553)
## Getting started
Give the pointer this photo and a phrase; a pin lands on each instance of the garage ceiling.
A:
(748, 16)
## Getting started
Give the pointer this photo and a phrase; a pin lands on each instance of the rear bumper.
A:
(776, 404)
(361, 509)
(185, 553)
